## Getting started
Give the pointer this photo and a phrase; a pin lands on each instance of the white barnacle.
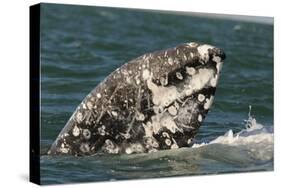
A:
(64, 150)
(203, 51)
(179, 75)
(200, 118)
(166, 135)
(208, 103)
(148, 128)
(169, 124)
(190, 70)
(89, 105)
(168, 142)
(138, 148)
(101, 130)
(152, 150)
(174, 146)
(128, 79)
(79, 117)
(164, 80)
(177, 106)
(151, 142)
(126, 135)
(201, 79)
(201, 97)
(192, 44)
(145, 74)
(188, 91)
(191, 55)
(84, 106)
(98, 95)
(214, 81)
(75, 131)
(170, 61)
(219, 66)
(86, 133)
(84, 147)
(137, 81)
(155, 143)
(172, 110)
(140, 116)
(129, 150)
(114, 113)
(165, 55)
(108, 145)
(162, 96)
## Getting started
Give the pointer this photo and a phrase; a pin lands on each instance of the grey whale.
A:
(155, 102)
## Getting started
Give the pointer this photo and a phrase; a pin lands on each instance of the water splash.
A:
(256, 139)
(251, 123)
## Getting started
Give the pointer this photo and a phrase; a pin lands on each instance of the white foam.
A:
(255, 139)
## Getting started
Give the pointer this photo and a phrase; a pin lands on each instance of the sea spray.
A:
(256, 139)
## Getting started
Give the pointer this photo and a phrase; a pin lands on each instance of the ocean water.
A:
(81, 45)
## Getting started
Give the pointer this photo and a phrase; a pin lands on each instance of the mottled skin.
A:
(145, 105)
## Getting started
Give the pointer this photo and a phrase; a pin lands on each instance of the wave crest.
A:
(256, 139)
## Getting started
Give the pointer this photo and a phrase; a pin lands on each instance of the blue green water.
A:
(81, 45)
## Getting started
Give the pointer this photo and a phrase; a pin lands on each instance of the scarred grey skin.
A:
(154, 102)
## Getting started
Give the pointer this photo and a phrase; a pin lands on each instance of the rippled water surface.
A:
(81, 45)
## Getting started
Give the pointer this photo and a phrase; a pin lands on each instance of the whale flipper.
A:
(154, 102)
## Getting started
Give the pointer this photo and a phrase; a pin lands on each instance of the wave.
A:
(256, 139)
